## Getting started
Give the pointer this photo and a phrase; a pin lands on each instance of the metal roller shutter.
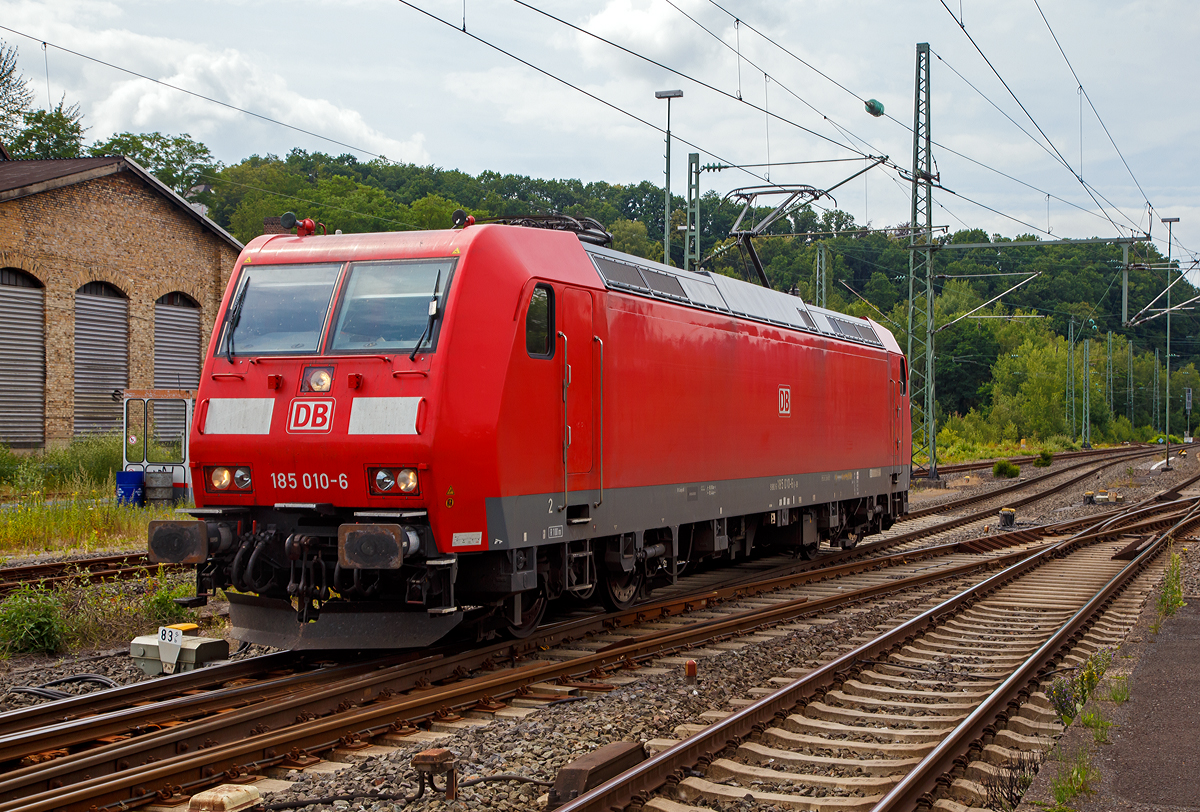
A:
(176, 347)
(101, 362)
(176, 362)
(22, 366)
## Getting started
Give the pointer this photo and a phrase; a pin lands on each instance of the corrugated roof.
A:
(24, 178)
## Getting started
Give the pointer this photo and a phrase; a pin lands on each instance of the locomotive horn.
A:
(288, 220)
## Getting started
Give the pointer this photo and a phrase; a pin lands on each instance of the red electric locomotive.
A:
(398, 432)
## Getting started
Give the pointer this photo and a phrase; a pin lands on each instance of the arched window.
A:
(22, 359)
(17, 278)
(104, 289)
(177, 298)
(101, 357)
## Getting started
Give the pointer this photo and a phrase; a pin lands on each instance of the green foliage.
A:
(1044, 460)
(1063, 699)
(30, 622)
(158, 604)
(97, 611)
(56, 133)
(1003, 469)
(630, 236)
(176, 160)
(1067, 694)
(1092, 671)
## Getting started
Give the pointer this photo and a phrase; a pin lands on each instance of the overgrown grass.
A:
(1075, 776)
(1093, 719)
(87, 461)
(86, 519)
(1118, 691)
(1044, 460)
(85, 613)
(1170, 594)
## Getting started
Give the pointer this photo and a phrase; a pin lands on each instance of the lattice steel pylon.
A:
(1108, 379)
(1085, 427)
(1070, 397)
(691, 234)
(920, 277)
(819, 284)
(1129, 400)
(1157, 389)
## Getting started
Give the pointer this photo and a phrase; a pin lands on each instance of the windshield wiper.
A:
(233, 316)
(433, 314)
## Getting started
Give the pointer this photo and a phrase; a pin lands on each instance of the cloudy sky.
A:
(387, 79)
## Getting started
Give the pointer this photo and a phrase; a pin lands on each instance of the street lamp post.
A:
(668, 95)
(1170, 221)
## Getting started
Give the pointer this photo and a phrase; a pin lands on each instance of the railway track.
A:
(217, 727)
(961, 467)
(122, 566)
(156, 741)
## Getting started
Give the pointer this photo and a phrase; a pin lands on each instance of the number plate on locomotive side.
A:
(309, 481)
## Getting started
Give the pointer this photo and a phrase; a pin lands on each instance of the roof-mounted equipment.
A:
(585, 228)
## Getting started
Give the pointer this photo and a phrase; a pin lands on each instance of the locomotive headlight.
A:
(317, 379)
(221, 478)
(407, 480)
(241, 479)
(385, 480)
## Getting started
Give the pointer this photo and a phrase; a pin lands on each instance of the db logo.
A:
(310, 415)
(785, 401)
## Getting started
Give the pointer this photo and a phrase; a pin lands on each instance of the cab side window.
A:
(539, 323)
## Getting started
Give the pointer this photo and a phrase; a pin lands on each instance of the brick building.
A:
(108, 280)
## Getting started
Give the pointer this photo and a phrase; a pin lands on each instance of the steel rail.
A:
(671, 764)
(1022, 460)
(1104, 460)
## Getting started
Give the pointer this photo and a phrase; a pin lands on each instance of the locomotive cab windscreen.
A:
(284, 309)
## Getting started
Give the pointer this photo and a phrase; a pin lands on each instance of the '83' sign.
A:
(785, 401)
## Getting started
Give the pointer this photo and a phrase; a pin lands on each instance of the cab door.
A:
(575, 333)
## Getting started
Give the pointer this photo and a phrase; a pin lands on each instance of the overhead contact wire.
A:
(1089, 100)
(1063, 160)
(194, 93)
(906, 127)
(690, 78)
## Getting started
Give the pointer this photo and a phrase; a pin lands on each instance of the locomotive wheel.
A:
(531, 616)
(809, 551)
(621, 589)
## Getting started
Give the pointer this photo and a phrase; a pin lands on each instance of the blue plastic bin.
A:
(129, 488)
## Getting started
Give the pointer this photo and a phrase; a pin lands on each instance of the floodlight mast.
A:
(668, 95)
